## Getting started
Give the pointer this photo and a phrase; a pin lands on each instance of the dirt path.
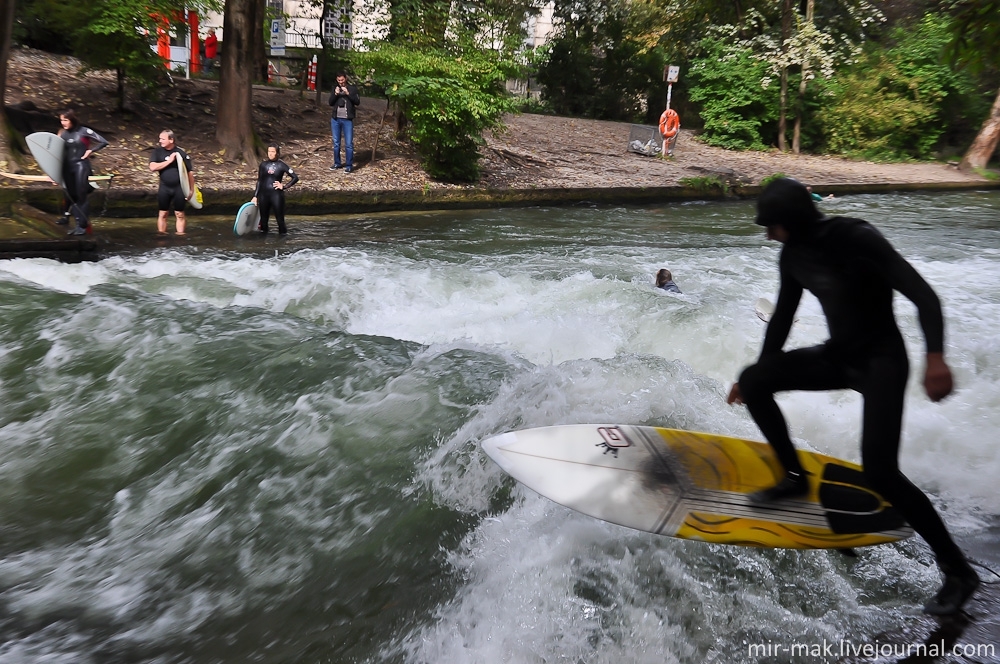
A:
(592, 153)
(536, 151)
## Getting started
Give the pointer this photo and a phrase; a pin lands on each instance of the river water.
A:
(250, 455)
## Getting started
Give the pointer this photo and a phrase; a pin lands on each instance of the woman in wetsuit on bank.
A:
(81, 142)
(270, 192)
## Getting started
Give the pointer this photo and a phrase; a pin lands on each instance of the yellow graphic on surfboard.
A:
(695, 486)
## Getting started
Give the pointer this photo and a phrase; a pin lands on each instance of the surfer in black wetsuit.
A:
(852, 270)
(81, 143)
(270, 192)
(170, 195)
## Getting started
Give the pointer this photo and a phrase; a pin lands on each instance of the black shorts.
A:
(170, 198)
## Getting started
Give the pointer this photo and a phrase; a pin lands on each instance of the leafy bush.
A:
(448, 101)
(877, 115)
(736, 107)
(771, 178)
(897, 103)
(532, 105)
(707, 183)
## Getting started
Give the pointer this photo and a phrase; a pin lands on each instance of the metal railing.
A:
(302, 40)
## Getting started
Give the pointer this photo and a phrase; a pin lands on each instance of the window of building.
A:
(337, 25)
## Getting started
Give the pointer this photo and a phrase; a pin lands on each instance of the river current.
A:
(250, 455)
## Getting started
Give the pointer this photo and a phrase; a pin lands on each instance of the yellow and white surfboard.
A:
(695, 486)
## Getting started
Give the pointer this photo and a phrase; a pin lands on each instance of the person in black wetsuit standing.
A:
(270, 192)
(163, 161)
(852, 270)
(81, 143)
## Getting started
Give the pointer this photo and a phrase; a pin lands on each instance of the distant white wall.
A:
(539, 27)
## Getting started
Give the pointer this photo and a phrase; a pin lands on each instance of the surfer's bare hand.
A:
(735, 396)
(938, 381)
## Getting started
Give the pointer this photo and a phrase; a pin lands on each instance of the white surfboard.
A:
(764, 309)
(246, 219)
(186, 184)
(694, 486)
(26, 177)
(48, 149)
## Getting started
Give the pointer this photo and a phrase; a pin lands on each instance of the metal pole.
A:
(670, 88)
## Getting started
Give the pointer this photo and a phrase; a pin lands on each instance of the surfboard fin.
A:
(850, 553)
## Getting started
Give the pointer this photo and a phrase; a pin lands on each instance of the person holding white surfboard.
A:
(81, 143)
(270, 192)
(853, 271)
(164, 161)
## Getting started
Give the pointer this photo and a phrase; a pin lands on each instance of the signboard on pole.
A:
(278, 36)
(671, 73)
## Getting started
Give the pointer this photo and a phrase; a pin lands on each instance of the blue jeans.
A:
(338, 125)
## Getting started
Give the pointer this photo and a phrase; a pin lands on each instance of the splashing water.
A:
(214, 457)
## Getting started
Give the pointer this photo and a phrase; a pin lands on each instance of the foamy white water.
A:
(302, 433)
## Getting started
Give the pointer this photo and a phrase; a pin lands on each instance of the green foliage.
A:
(878, 116)
(897, 103)
(532, 105)
(707, 183)
(40, 24)
(567, 77)
(448, 101)
(420, 23)
(737, 108)
(429, 25)
(771, 178)
(602, 62)
(974, 32)
(111, 41)
(104, 34)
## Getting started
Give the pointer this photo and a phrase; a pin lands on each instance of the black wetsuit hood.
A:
(788, 203)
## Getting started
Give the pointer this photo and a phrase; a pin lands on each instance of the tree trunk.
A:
(120, 80)
(786, 32)
(6, 28)
(234, 123)
(797, 133)
(985, 144)
(783, 114)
